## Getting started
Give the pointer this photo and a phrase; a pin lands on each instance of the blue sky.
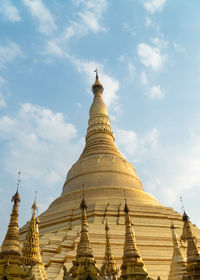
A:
(147, 53)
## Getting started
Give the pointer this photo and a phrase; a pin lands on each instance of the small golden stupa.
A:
(105, 174)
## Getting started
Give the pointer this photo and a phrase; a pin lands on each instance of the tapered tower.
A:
(108, 269)
(84, 267)
(132, 267)
(105, 173)
(193, 256)
(178, 264)
(31, 251)
(11, 264)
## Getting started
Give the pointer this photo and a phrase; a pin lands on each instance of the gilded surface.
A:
(193, 256)
(178, 264)
(105, 172)
(11, 242)
(109, 267)
(132, 267)
(84, 267)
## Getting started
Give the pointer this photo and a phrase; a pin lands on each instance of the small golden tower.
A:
(193, 256)
(11, 265)
(108, 268)
(31, 250)
(178, 264)
(84, 267)
(132, 267)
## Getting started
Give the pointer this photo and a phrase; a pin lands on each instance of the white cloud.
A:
(179, 48)
(144, 79)
(9, 11)
(53, 48)
(87, 19)
(40, 143)
(182, 166)
(2, 101)
(150, 56)
(131, 69)
(9, 52)
(155, 92)
(42, 14)
(153, 6)
(134, 145)
(159, 42)
(148, 22)
(110, 84)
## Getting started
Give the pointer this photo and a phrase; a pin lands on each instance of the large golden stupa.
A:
(105, 174)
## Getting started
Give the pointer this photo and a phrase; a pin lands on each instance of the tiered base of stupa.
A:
(60, 226)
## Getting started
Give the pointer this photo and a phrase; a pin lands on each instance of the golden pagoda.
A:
(84, 267)
(11, 264)
(105, 173)
(193, 256)
(31, 250)
(132, 267)
(178, 264)
(108, 269)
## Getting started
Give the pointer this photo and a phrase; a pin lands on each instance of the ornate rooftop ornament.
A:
(178, 264)
(84, 267)
(108, 268)
(31, 250)
(10, 244)
(193, 256)
(132, 267)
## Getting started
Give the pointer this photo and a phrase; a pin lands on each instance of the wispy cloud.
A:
(136, 145)
(42, 14)
(9, 11)
(2, 101)
(9, 52)
(151, 56)
(153, 6)
(179, 48)
(87, 19)
(155, 92)
(131, 70)
(37, 142)
(144, 79)
(182, 165)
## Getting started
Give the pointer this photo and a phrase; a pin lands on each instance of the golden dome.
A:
(101, 166)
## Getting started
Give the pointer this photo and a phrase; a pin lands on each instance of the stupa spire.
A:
(193, 256)
(187, 235)
(31, 249)
(178, 264)
(10, 245)
(99, 138)
(84, 248)
(109, 265)
(132, 267)
(130, 248)
(84, 267)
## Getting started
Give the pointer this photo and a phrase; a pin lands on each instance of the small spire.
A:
(126, 209)
(187, 235)
(31, 248)
(34, 206)
(130, 248)
(178, 264)
(84, 248)
(19, 180)
(10, 245)
(132, 266)
(109, 265)
(97, 87)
